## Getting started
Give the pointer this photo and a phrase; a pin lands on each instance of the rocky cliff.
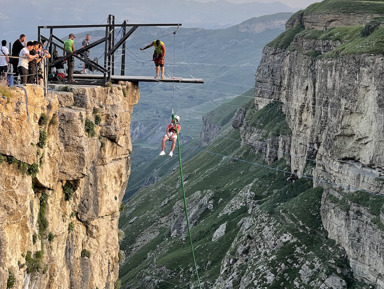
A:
(318, 112)
(333, 100)
(64, 163)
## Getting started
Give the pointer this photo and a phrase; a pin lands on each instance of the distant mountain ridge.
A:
(190, 13)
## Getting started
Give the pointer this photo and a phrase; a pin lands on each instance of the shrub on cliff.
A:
(11, 279)
(90, 128)
(369, 28)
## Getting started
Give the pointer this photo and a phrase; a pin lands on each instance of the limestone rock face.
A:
(65, 163)
(334, 107)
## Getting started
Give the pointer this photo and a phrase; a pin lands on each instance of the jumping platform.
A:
(136, 79)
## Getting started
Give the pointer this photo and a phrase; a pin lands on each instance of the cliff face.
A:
(334, 107)
(65, 162)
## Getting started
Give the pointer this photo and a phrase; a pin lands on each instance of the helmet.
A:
(177, 117)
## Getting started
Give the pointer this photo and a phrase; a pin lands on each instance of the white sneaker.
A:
(162, 153)
(170, 154)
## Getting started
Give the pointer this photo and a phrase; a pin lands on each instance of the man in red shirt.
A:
(171, 135)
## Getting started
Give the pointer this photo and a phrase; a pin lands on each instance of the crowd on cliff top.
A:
(25, 62)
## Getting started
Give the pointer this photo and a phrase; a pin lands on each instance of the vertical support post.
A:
(112, 45)
(106, 49)
(123, 49)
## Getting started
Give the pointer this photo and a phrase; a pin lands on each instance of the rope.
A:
(185, 202)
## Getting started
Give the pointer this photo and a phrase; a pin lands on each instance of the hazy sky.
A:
(24, 16)
(292, 3)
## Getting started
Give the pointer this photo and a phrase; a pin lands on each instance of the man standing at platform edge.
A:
(158, 56)
(69, 49)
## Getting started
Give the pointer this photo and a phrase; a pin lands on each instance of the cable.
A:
(347, 187)
(185, 202)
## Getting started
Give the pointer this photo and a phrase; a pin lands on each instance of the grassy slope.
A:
(351, 38)
(225, 167)
(347, 6)
(144, 173)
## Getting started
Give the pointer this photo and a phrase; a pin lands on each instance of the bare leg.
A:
(173, 144)
(162, 72)
(163, 143)
(157, 71)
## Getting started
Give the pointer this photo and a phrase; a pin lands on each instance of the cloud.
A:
(3, 17)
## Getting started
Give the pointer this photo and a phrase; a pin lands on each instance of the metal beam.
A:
(123, 39)
(106, 25)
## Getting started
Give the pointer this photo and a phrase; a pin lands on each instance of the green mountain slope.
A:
(229, 183)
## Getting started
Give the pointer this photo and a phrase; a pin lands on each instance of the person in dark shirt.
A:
(16, 48)
(32, 67)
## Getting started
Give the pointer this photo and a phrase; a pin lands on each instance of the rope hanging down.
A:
(184, 200)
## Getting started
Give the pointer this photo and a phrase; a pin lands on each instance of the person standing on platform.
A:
(24, 58)
(87, 52)
(4, 59)
(16, 48)
(69, 49)
(158, 56)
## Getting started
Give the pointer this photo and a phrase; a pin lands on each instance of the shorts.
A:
(172, 136)
(158, 59)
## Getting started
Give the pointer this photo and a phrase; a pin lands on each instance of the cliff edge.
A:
(65, 163)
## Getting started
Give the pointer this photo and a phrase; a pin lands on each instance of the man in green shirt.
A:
(69, 48)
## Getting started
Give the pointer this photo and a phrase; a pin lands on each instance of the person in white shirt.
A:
(4, 58)
(24, 59)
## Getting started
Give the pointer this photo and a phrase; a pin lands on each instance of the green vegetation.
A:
(23, 167)
(42, 139)
(43, 120)
(50, 237)
(42, 220)
(68, 190)
(118, 284)
(351, 40)
(11, 279)
(35, 263)
(270, 119)
(102, 142)
(89, 128)
(11, 160)
(97, 119)
(85, 253)
(357, 39)
(71, 227)
(54, 120)
(284, 40)
(5, 92)
(1, 159)
(33, 170)
(223, 114)
(34, 239)
(122, 207)
(369, 28)
(347, 6)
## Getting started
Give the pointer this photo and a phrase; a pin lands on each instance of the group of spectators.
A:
(26, 59)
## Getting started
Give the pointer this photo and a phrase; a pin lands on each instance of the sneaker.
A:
(156, 77)
(170, 154)
(162, 153)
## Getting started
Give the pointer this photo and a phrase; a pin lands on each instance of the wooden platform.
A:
(115, 78)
